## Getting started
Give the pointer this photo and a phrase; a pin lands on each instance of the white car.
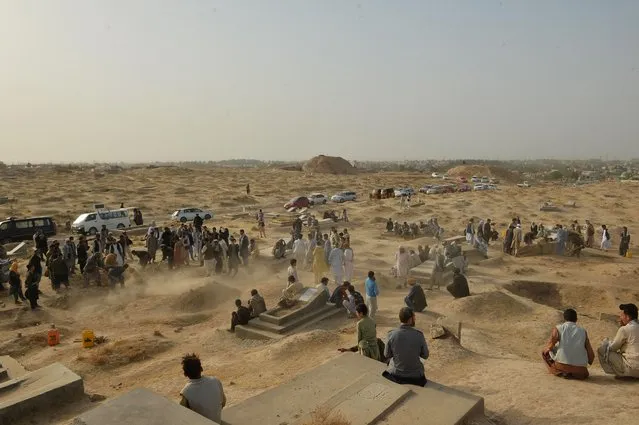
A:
(344, 196)
(524, 184)
(317, 198)
(445, 177)
(188, 214)
(436, 175)
(480, 187)
(475, 179)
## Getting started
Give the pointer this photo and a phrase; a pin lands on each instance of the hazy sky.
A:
(135, 80)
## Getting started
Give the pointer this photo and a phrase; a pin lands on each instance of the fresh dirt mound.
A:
(206, 297)
(489, 305)
(561, 296)
(123, 352)
(329, 165)
(482, 171)
(300, 343)
(20, 346)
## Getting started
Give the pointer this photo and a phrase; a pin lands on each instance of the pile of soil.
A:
(482, 171)
(489, 306)
(123, 352)
(329, 165)
(205, 298)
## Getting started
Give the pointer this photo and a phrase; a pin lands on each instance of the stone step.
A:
(251, 331)
(4, 374)
(280, 329)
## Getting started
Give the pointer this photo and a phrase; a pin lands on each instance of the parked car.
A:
(317, 198)
(445, 177)
(406, 191)
(493, 181)
(434, 190)
(22, 229)
(475, 179)
(480, 186)
(464, 188)
(188, 214)
(298, 202)
(485, 180)
(425, 188)
(491, 187)
(91, 222)
(344, 196)
(524, 184)
(436, 175)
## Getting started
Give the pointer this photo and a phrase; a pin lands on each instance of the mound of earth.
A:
(329, 165)
(299, 343)
(489, 305)
(205, 297)
(482, 171)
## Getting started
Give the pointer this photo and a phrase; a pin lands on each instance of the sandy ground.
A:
(160, 316)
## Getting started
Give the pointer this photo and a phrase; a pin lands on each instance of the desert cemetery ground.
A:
(160, 315)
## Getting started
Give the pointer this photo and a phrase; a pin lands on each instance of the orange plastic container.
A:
(53, 336)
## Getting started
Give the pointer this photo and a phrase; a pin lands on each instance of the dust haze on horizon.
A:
(144, 81)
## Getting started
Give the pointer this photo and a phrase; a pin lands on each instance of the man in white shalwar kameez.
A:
(299, 250)
(336, 261)
(348, 262)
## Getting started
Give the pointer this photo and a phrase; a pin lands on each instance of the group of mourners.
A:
(215, 249)
(570, 240)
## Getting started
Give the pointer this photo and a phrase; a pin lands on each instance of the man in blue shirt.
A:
(372, 291)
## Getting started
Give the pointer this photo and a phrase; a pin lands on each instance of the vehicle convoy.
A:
(344, 196)
(317, 199)
(188, 214)
(15, 229)
(297, 202)
(91, 222)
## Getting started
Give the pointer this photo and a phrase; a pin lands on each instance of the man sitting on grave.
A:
(620, 357)
(416, 299)
(338, 294)
(323, 286)
(367, 341)
(202, 394)
(239, 317)
(294, 287)
(568, 352)
(352, 299)
(459, 287)
(256, 304)
(405, 348)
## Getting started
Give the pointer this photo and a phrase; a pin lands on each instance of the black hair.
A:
(362, 309)
(253, 291)
(293, 261)
(192, 366)
(570, 315)
(351, 288)
(630, 310)
(238, 302)
(405, 314)
(324, 280)
(371, 274)
(291, 278)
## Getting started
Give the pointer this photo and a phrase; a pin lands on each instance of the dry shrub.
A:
(120, 353)
(323, 416)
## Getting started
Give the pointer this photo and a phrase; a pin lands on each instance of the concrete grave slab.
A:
(352, 385)
(141, 407)
(37, 391)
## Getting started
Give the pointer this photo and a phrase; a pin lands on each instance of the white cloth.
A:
(205, 396)
(336, 261)
(299, 251)
(348, 264)
(402, 264)
(605, 243)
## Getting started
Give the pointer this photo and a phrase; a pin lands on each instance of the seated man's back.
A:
(205, 396)
(405, 347)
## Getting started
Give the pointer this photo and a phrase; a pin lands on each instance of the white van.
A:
(91, 222)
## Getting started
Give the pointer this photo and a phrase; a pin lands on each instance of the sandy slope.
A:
(506, 321)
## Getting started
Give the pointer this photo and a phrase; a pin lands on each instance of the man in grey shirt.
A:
(405, 346)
